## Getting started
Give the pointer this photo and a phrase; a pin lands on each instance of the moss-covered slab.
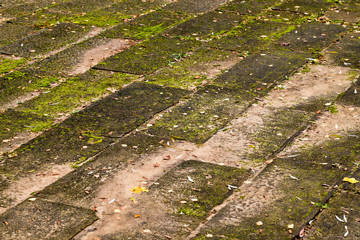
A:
(79, 6)
(277, 129)
(183, 197)
(208, 24)
(44, 220)
(259, 71)
(146, 26)
(11, 32)
(250, 37)
(194, 69)
(351, 96)
(21, 81)
(305, 6)
(196, 6)
(124, 110)
(13, 122)
(46, 40)
(251, 7)
(65, 61)
(80, 187)
(294, 188)
(310, 37)
(214, 106)
(148, 56)
(75, 92)
(327, 226)
(199, 118)
(346, 52)
(88, 132)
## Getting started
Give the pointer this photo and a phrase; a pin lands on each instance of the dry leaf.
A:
(259, 223)
(350, 180)
(136, 215)
(139, 189)
(290, 226)
(166, 157)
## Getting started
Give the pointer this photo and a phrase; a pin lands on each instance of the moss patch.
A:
(7, 65)
(38, 219)
(46, 40)
(145, 26)
(148, 56)
(13, 122)
(204, 25)
(75, 92)
(16, 83)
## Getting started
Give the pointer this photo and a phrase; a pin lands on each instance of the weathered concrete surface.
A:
(37, 219)
(249, 89)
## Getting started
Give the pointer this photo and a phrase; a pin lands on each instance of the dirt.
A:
(20, 190)
(95, 55)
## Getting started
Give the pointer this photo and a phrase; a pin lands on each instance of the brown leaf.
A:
(6, 223)
(156, 165)
(166, 157)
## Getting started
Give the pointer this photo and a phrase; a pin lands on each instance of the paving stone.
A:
(90, 131)
(345, 52)
(278, 128)
(21, 81)
(250, 37)
(11, 32)
(46, 40)
(305, 6)
(145, 26)
(351, 96)
(75, 92)
(326, 226)
(79, 6)
(251, 7)
(213, 106)
(80, 187)
(197, 6)
(20, 8)
(12, 122)
(44, 220)
(198, 67)
(208, 24)
(185, 203)
(257, 72)
(311, 37)
(148, 56)
(286, 200)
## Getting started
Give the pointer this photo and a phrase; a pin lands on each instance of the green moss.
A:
(75, 92)
(6, 65)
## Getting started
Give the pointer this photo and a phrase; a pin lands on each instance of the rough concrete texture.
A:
(162, 119)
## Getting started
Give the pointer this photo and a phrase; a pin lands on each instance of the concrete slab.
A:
(148, 56)
(197, 6)
(12, 32)
(310, 37)
(285, 196)
(345, 52)
(37, 219)
(46, 40)
(251, 7)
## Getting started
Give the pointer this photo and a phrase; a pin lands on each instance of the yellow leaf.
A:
(350, 180)
(252, 146)
(139, 189)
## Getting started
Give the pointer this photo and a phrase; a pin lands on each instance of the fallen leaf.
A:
(147, 231)
(139, 189)
(190, 179)
(339, 219)
(6, 223)
(136, 215)
(166, 157)
(156, 165)
(350, 180)
(117, 210)
(290, 226)
(293, 177)
(32, 199)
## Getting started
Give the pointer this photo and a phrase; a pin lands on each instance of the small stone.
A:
(259, 223)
